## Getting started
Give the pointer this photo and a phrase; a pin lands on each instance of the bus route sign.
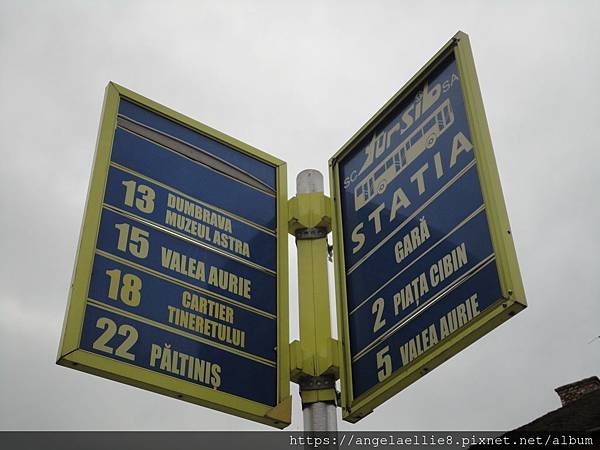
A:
(180, 281)
(425, 262)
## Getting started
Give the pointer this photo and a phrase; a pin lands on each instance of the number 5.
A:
(384, 362)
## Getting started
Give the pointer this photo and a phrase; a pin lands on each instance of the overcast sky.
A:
(297, 79)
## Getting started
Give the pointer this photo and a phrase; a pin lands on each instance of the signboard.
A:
(425, 262)
(180, 283)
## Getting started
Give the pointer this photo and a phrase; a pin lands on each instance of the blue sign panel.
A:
(419, 260)
(184, 279)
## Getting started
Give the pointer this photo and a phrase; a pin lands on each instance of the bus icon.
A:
(424, 137)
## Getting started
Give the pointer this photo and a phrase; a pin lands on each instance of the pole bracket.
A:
(317, 383)
(316, 389)
(302, 364)
(309, 211)
(311, 233)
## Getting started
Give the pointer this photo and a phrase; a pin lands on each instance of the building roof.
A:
(579, 415)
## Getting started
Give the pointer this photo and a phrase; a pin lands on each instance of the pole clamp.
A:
(317, 383)
(311, 233)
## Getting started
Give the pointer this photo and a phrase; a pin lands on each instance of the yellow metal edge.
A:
(283, 354)
(324, 359)
(197, 126)
(344, 356)
(282, 413)
(508, 267)
(170, 386)
(488, 321)
(296, 362)
(307, 326)
(396, 98)
(73, 320)
(334, 349)
(321, 395)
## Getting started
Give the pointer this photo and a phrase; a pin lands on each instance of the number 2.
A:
(110, 329)
(377, 308)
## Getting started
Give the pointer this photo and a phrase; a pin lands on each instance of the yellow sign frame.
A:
(71, 355)
(513, 294)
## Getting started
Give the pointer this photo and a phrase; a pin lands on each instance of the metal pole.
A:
(320, 416)
(315, 327)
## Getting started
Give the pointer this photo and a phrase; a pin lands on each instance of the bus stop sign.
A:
(425, 262)
(180, 283)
